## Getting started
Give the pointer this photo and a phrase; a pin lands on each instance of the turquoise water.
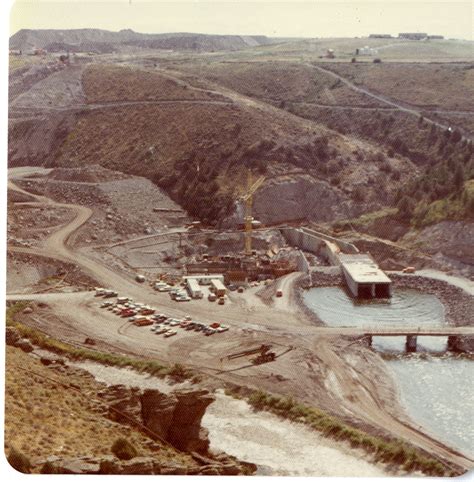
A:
(406, 307)
(438, 393)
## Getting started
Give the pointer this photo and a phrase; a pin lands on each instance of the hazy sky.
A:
(291, 18)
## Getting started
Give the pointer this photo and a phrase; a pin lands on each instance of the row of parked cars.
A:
(143, 315)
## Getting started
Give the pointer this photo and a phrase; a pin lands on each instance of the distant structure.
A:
(330, 54)
(380, 35)
(413, 35)
(435, 37)
(366, 51)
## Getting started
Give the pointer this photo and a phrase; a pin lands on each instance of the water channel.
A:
(437, 391)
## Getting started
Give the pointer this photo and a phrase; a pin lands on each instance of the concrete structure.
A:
(364, 278)
(318, 243)
(413, 35)
(218, 287)
(459, 338)
(194, 289)
(204, 279)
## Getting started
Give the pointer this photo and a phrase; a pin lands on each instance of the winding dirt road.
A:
(397, 105)
(356, 392)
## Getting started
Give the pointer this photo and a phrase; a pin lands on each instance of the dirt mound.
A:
(91, 174)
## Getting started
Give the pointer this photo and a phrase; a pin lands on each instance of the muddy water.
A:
(278, 447)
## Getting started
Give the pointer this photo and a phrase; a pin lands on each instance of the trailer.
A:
(218, 287)
(194, 289)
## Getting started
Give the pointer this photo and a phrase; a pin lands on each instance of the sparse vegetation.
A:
(388, 451)
(123, 449)
(38, 338)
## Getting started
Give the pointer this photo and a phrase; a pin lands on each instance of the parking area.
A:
(159, 323)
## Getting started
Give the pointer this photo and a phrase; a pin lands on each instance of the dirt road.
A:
(74, 316)
(398, 105)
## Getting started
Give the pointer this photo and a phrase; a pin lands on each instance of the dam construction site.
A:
(218, 264)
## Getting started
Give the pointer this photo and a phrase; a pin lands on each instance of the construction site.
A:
(205, 244)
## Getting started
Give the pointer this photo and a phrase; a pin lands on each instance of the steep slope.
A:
(199, 146)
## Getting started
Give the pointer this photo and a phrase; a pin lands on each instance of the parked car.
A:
(147, 311)
(105, 304)
(110, 294)
(221, 301)
(222, 328)
(99, 291)
(210, 331)
(279, 293)
(183, 298)
(212, 297)
(161, 330)
(174, 323)
(170, 333)
(143, 322)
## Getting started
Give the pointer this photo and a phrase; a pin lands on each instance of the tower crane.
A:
(248, 199)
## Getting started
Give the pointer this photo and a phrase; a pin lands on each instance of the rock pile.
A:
(13, 338)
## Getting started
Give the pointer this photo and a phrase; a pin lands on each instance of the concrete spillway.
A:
(363, 276)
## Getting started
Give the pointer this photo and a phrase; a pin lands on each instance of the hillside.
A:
(57, 411)
(208, 138)
(105, 41)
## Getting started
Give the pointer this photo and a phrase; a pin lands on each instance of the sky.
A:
(291, 18)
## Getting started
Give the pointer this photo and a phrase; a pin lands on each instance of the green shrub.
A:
(123, 449)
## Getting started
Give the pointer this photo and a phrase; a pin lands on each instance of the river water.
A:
(276, 446)
(437, 392)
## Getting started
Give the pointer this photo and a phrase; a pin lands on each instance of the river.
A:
(437, 392)
(276, 446)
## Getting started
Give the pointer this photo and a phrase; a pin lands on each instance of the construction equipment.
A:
(248, 199)
(264, 354)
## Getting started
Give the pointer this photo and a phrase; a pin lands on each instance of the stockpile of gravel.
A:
(90, 174)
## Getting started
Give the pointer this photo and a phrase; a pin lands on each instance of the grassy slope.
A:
(278, 81)
(45, 416)
(100, 85)
(432, 85)
(168, 142)
(456, 207)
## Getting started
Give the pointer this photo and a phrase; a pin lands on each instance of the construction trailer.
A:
(218, 287)
(204, 279)
(194, 289)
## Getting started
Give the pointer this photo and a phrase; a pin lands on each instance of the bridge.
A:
(453, 333)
